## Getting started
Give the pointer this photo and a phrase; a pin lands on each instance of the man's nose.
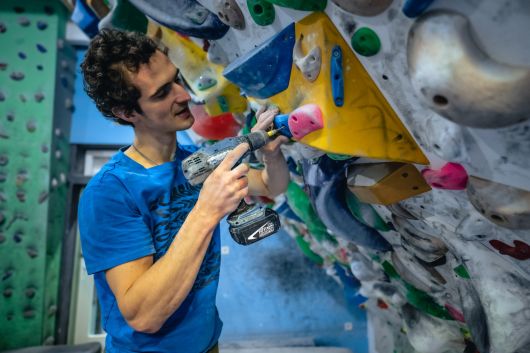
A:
(181, 96)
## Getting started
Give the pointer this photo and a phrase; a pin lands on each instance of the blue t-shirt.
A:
(127, 212)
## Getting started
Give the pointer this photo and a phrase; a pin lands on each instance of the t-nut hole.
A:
(440, 100)
(497, 218)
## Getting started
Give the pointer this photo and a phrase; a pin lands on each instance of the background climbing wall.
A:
(36, 88)
(409, 154)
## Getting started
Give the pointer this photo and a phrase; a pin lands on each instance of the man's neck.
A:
(151, 150)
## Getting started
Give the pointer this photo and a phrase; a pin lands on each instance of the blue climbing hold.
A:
(326, 181)
(266, 70)
(414, 8)
(281, 122)
(187, 17)
(337, 78)
(85, 18)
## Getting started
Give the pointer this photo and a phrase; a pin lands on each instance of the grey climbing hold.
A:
(503, 205)
(458, 80)
(308, 64)
(363, 7)
(205, 82)
(230, 14)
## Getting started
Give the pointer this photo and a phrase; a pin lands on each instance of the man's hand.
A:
(225, 187)
(265, 118)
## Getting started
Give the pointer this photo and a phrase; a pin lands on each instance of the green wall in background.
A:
(36, 86)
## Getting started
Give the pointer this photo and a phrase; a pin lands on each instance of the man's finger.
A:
(233, 156)
(240, 171)
(260, 111)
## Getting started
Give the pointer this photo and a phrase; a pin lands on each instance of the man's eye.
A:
(179, 79)
(163, 93)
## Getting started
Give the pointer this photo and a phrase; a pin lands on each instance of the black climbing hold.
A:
(8, 273)
(8, 292)
(41, 48)
(39, 67)
(4, 159)
(24, 21)
(43, 196)
(42, 25)
(3, 27)
(21, 195)
(48, 10)
(29, 313)
(17, 76)
(30, 292)
(39, 97)
(22, 55)
(31, 126)
(3, 66)
(32, 252)
(17, 237)
(10, 116)
(2, 96)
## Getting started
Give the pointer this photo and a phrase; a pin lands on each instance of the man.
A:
(149, 237)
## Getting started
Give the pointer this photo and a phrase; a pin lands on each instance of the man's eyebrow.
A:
(161, 88)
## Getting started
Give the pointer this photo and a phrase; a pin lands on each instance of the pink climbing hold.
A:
(305, 119)
(452, 176)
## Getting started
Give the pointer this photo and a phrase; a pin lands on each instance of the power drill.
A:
(248, 223)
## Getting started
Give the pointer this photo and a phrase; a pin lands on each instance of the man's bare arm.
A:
(149, 293)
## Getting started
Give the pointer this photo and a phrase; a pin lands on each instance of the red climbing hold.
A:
(381, 303)
(520, 250)
(213, 127)
(455, 313)
(452, 176)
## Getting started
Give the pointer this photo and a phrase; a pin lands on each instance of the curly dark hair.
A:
(106, 80)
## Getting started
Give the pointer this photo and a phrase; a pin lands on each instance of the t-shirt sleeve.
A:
(112, 228)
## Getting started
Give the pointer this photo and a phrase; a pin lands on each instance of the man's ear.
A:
(120, 114)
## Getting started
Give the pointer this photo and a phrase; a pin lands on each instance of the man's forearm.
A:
(160, 291)
(276, 173)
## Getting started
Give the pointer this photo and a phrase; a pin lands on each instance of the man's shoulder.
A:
(111, 172)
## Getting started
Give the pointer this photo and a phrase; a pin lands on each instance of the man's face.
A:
(163, 100)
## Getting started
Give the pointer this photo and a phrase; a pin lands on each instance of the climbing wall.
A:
(409, 153)
(36, 87)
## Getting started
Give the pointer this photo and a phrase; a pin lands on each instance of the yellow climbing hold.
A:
(194, 66)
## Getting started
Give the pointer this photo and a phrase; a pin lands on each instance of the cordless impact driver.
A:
(248, 223)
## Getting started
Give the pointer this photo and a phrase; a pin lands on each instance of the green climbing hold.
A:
(390, 270)
(365, 213)
(301, 206)
(262, 11)
(310, 254)
(461, 271)
(366, 42)
(304, 5)
(424, 302)
(223, 104)
(339, 157)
